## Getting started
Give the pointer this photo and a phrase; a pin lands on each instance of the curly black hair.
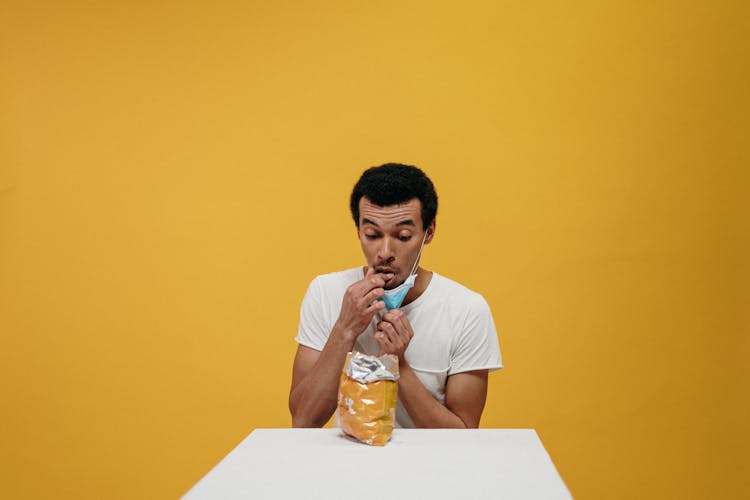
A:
(394, 183)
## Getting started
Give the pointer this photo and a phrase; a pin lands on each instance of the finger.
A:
(372, 273)
(394, 317)
(371, 277)
(376, 280)
(398, 341)
(385, 344)
(373, 295)
(375, 307)
(400, 323)
(394, 336)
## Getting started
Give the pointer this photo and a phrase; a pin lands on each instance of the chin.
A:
(395, 285)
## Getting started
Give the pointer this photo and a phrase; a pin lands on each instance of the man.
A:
(442, 333)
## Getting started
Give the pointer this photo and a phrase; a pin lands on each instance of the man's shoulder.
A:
(445, 285)
(338, 279)
(452, 292)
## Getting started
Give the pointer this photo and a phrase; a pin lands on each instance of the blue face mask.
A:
(395, 296)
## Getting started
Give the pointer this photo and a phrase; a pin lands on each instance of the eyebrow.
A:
(405, 222)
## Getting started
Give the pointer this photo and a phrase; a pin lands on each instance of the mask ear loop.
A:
(419, 255)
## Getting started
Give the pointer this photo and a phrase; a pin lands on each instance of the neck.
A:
(420, 285)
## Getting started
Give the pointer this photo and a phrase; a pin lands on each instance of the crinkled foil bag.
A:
(367, 397)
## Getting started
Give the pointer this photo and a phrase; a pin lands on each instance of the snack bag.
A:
(367, 397)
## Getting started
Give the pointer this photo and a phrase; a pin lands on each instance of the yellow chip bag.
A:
(367, 397)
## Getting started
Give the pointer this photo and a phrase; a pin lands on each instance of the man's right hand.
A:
(315, 377)
(361, 303)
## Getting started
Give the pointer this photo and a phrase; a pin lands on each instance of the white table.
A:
(417, 463)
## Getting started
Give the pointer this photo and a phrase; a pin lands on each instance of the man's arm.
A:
(465, 395)
(315, 381)
(315, 376)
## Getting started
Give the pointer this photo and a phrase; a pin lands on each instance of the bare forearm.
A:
(424, 410)
(313, 400)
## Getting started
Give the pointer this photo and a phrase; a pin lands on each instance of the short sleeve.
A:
(477, 347)
(313, 330)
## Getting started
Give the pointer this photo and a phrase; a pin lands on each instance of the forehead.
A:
(392, 214)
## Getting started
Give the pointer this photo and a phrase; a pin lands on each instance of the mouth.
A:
(391, 283)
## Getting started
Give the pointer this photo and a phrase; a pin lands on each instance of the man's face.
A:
(391, 237)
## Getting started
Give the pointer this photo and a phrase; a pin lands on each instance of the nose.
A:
(385, 252)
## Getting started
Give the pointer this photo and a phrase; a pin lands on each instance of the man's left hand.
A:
(394, 333)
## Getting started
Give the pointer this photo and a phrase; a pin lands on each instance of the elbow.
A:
(298, 419)
(303, 422)
(299, 423)
(305, 417)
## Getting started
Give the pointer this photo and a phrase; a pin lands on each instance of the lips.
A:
(391, 283)
(387, 270)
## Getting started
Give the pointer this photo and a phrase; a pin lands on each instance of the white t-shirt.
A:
(453, 330)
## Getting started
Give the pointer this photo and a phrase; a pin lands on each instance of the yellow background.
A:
(172, 175)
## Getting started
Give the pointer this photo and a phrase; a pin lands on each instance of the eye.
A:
(404, 237)
(370, 236)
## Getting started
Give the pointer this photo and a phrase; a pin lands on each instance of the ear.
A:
(430, 231)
